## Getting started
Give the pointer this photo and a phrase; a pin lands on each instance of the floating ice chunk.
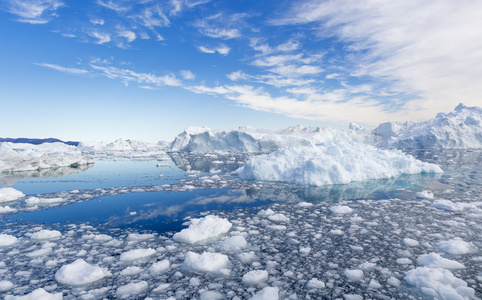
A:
(279, 218)
(38, 294)
(439, 283)
(139, 237)
(10, 194)
(206, 262)
(46, 234)
(450, 206)
(79, 273)
(404, 261)
(305, 204)
(455, 246)
(315, 283)
(203, 229)
(5, 285)
(332, 163)
(129, 271)
(268, 293)
(374, 285)
(410, 242)
(211, 295)
(424, 195)
(102, 238)
(232, 244)
(367, 266)
(255, 277)
(276, 227)
(336, 232)
(159, 267)
(246, 257)
(340, 209)
(161, 287)
(265, 213)
(353, 275)
(7, 240)
(137, 254)
(352, 297)
(40, 252)
(393, 281)
(33, 201)
(434, 260)
(131, 290)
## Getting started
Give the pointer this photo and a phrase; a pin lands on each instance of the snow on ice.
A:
(202, 229)
(80, 273)
(8, 194)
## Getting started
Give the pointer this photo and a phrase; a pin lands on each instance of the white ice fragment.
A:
(439, 283)
(159, 267)
(38, 294)
(393, 281)
(233, 244)
(279, 218)
(79, 273)
(202, 229)
(46, 234)
(206, 262)
(353, 275)
(137, 254)
(340, 209)
(246, 257)
(451, 206)
(7, 240)
(424, 195)
(255, 277)
(139, 237)
(404, 261)
(268, 293)
(131, 290)
(434, 260)
(161, 287)
(410, 242)
(315, 283)
(34, 201)
(6, 209)
(10, 194)
(211, 295)
(305, 204)
(5, 285)
(374, 285)
(265, 213)
(455, 246)
(352, 297)
(129, 271)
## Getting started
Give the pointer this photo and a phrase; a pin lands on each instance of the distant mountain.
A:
(37, 141)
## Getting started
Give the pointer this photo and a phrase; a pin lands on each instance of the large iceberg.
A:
(332, 163)
(461, 128)
(29, 157)
(249, 139)
(122, 148)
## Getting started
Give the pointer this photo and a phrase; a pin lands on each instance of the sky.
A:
(104, 69)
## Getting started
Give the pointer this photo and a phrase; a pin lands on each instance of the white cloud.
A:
(151, 17)
(102, 37)
(188, 75)
(129, 35)
(63, 69)
(222, 26)
(34, 11)
(179, 5)
(97, 21)
(296, 71)
(222, 49)
(68, 35)
(126, 76)
(428, 48)
(114, 5)
(237, 75)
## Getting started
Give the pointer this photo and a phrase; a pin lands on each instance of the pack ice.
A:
(121, 147)
(332, 163)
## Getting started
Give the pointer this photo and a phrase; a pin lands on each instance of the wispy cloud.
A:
(63, 69)
(102, 37)
(151, 17)
(114, 5)
(187, 75)
(221, 26)
(429, 48)
(126, 76)
(34, 11)
(222, 49)
(97, 21)
(129, 35)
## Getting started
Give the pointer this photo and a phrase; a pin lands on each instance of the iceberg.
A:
(122, 148)
(28, 157)
(332, 163)
(461, 128)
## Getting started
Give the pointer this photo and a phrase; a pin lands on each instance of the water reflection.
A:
(11, 178)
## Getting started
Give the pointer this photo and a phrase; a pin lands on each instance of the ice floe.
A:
(10, 194)
(332, 163)
(205, 262)
(80, 273)
(202, 229)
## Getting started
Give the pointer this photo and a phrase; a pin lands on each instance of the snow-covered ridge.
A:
(249, 139)
(332, 163)
(461, 128)
(121, 147)
(28, 157)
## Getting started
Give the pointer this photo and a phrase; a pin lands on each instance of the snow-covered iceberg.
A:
(461, 128)
(122, 148)
(28, 157)
(249, 139)
(332, 163)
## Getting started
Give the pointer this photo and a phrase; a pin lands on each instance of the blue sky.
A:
(84, 70)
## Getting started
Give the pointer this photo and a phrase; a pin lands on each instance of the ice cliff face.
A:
(461, 128)
(249, 139)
